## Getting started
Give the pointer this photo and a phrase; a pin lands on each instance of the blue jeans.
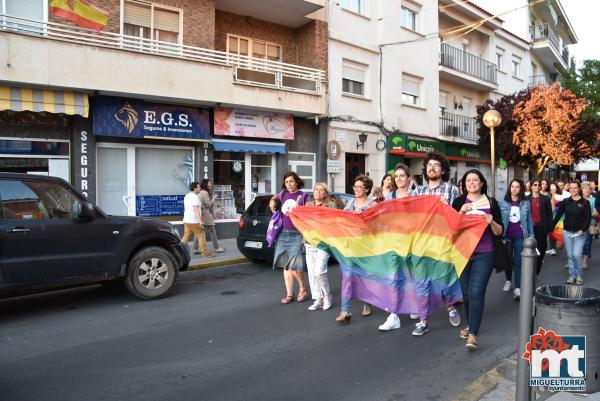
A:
(587, 247)
(473, 283)
(574, 247)
(517, 247)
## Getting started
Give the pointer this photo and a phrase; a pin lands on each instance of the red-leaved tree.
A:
(549, 128)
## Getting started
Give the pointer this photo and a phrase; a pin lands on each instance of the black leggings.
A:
(540, 234)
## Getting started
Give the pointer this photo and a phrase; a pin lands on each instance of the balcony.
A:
(457, 126)
(290, 13)
(537, 80)
(547, 45)
(467, 69)
(73, 57)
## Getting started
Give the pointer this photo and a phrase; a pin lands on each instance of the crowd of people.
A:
(529, 209)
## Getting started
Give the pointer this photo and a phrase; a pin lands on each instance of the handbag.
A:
(594, 229)
(275, 225)
(503, 259)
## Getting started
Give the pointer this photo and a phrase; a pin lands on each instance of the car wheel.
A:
(151, 273)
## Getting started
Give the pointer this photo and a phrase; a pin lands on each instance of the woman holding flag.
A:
(476, 275)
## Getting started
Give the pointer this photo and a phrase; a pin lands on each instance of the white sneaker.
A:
(316, 305)
(327, 302)
(391, 323)
(517, 293)
(551, 252)
(414, 316)
(454, 318)
(507, 286)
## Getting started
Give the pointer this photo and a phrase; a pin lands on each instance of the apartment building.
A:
(168, 92)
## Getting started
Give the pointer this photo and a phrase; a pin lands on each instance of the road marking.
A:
(485, 383)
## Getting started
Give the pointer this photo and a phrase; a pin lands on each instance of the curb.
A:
(485, 383)
(217, 263)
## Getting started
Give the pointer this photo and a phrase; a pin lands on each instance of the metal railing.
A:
(565, 55)
(543, 32)
(246, 70)
(455, 125)
(536, 80)
(468, 63)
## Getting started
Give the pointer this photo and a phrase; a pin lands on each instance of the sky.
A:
(583, 15)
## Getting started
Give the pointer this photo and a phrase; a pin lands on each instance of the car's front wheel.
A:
(151, 273)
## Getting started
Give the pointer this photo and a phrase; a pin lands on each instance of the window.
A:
(36, 10)
(356, 6)
(411, 90)
(353, 80)
(261, 174)
(152, 21)
(229, 184)
(409, 19)
(499, 57)
(443, 102)
(253, 48)
(516, 67)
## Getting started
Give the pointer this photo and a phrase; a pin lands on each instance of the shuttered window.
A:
(253, 47)
(137, 14)
(353, 80)
(137, 21)
(411, 90)
(166, 20)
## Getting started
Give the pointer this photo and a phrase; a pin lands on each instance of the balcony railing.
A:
(565, 55)
(536, 80)
(246, 70)
(543, 32)
(455, 125)
(470, 64)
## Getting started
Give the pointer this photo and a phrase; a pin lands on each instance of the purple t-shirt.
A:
(287, 222)
(486, 243)
(514, 229)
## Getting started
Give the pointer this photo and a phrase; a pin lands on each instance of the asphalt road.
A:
(224, 336)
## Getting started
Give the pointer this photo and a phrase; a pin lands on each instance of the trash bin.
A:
(572, 310)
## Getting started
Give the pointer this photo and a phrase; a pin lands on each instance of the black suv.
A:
(52, 237)
(251, 240)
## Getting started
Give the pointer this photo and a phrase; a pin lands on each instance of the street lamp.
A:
(492, 119)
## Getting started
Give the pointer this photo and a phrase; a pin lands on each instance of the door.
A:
(303, 164)
(116, 195)
(355, 166)
(41, 238)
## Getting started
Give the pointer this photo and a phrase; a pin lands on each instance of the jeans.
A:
(517, 247)
(473, 283)
(574, 248)
(587, 247)
(540, 235)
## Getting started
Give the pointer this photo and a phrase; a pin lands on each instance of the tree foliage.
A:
(549, 128)
(585, 83)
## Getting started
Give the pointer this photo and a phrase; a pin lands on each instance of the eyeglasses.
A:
(535, 185)
(434, 165)
(358, 186)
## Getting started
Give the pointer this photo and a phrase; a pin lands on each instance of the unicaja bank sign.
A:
(556, 362)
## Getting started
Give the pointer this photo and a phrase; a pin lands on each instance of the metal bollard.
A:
(528, 262)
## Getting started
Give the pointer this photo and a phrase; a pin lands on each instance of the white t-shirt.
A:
(191, 200)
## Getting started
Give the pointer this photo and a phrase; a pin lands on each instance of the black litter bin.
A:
(572, 310)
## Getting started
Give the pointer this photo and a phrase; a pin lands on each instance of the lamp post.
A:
(492, 119)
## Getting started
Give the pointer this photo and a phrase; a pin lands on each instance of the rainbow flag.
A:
(80, 12)
(393, 247)
(557, 233)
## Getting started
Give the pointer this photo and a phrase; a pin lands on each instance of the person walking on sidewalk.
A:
(516, 219)
(316, 259)
(476, 275)
(361, 202)
(436, 170)
(578, 216)
(288, 249)
(555, 198)
(192, 220)
(541, 214)
(207, 201)
(586, 190)
(402, 178)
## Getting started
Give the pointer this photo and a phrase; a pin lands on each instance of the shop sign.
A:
(420, 146)
(333, 150)
(396, 142)
(334, 166)
(159, 205)
(464, 153)
(253, 124)
(114, 116)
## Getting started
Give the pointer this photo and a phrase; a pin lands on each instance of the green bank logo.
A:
(397, 141)
(412, 145)
(419, 147)
(472, 154)
(463, 152)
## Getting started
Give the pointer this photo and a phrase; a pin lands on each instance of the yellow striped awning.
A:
(51, 101)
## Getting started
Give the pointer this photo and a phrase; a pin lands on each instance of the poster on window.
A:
(115, 116)
(253, 124)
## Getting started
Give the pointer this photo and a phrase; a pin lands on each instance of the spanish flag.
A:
(80, 12)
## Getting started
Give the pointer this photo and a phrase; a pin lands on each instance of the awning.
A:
(51, 101)
(223, 145)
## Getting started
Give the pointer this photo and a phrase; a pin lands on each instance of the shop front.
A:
(246, 149)
(36, 130)
(147, 154)
(411, 151)
(464, 157)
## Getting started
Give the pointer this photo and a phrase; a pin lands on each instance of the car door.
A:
(42, 238)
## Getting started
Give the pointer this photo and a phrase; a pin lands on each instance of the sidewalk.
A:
(231, 256)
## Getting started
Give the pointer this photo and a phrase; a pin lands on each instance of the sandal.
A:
(343, 318)
(302, 295)
(287, 299)
(366, 310)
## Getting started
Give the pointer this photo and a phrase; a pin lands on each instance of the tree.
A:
(505, 147)
(585, 83)
(549, 128)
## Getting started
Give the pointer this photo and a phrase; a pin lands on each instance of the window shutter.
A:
(137, 14)
(166, 20)
(410, 87)
(353, 74)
